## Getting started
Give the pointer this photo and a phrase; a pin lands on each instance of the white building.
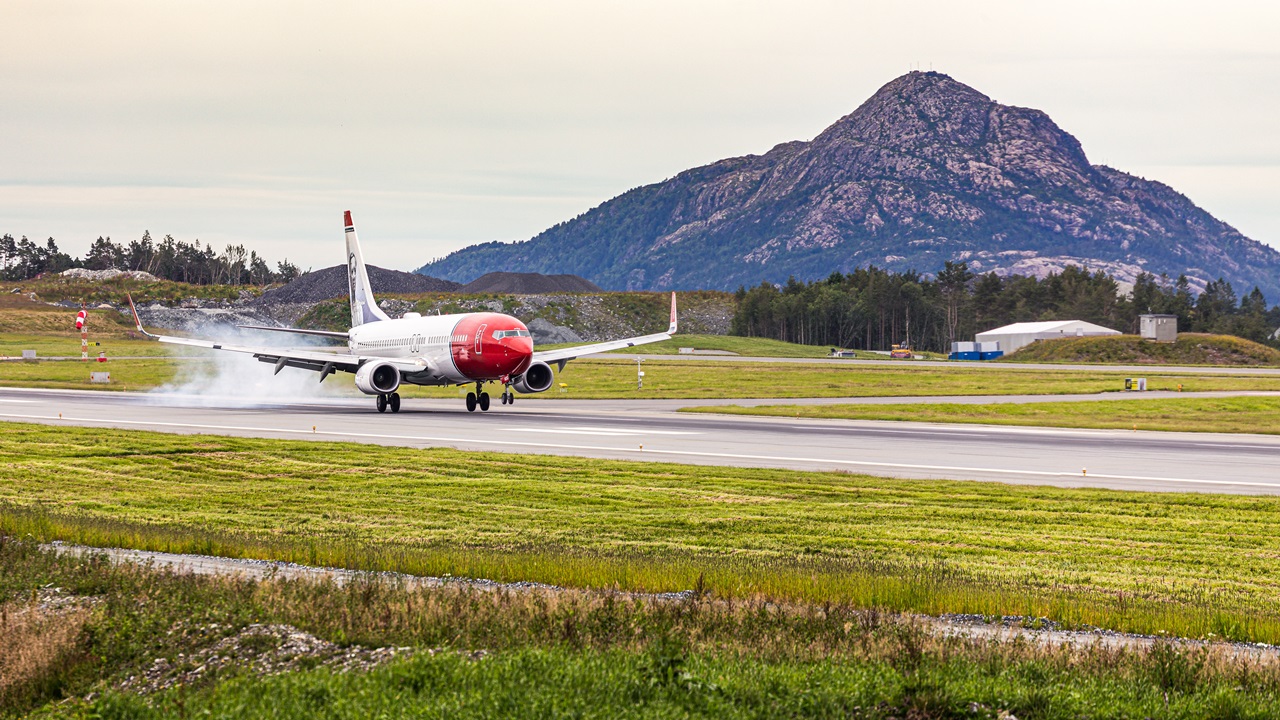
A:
(1161, 328)
(1012, 337)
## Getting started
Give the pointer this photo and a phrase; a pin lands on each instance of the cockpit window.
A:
(499, 334)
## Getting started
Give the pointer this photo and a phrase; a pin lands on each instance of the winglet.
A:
(137, 321)
(671, 330)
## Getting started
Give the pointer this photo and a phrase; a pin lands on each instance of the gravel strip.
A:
(1040, 631)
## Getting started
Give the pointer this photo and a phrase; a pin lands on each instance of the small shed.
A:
(1012, 337)
(1161, 328)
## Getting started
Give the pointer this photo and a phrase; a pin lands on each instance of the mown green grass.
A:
(1218, 415)
(685, 379)
(616, 379)
(744, 346)
(682, 379)
(1189, 564)
(68, 345)
(74, 374)
(560, 653)
(755, 347)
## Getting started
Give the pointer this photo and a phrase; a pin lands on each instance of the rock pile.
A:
(261, 649)
(331, 282)
(112, 274)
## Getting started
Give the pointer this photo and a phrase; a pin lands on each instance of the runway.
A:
(636, 430)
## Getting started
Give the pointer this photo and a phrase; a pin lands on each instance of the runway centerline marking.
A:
(654, 451)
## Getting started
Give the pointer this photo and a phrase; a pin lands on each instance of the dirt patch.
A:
(37, 634)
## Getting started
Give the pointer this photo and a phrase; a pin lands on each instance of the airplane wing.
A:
(321, 360)
(564, 355)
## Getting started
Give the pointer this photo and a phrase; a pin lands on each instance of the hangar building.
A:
(1012, 337)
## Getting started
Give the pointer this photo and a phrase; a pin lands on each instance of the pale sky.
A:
(442, 124)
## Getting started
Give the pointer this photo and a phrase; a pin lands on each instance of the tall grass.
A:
(584, 654)
(932, 588)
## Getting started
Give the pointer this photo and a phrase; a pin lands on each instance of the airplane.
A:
(384, 352)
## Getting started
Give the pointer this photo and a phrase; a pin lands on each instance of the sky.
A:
(443, 124)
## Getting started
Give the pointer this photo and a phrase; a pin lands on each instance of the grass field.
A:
(467, 652)
(1187, 564)
(754, 347)
(1219, 415)
(744, 346)
(68, 345)
(681, 379)
(74, 374)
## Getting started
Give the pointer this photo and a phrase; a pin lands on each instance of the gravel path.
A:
(1005, 629)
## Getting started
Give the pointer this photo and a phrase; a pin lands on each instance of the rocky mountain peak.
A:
(918, 106)
(926, 170)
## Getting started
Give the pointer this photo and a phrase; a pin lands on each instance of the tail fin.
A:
(364, 309)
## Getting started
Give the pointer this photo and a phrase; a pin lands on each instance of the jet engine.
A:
(535, 380)
(377, 378)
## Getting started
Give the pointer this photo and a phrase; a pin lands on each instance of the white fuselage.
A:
(451, 349)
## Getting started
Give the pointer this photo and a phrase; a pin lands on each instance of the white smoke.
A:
(224, 379)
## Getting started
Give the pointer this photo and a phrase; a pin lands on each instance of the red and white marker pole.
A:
(82, 326)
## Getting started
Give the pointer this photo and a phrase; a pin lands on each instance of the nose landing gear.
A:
(391, 400)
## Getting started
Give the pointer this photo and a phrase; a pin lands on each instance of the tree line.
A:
(872, 308)
(168, 259)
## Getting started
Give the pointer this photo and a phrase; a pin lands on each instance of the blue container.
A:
(965, 356)
(992, 355)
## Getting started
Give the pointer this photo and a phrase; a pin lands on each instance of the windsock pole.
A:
(81, 322)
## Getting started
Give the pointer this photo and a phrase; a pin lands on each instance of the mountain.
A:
(928, 169)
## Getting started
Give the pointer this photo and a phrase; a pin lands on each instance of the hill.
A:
(331, 282)
(528, 283)
(926, 170)
(1190, 349)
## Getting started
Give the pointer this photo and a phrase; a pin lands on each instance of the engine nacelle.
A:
(536, 379)
(377, 378)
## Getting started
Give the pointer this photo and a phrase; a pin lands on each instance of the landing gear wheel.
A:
(382, 403)
(471, 402)
(504, 397)
(484, 402)
(394, 400)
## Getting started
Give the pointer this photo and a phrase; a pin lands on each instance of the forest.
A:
(872, 308)
(168, 259)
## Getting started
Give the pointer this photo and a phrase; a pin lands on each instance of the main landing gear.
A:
(391, 400)
(479, 399)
